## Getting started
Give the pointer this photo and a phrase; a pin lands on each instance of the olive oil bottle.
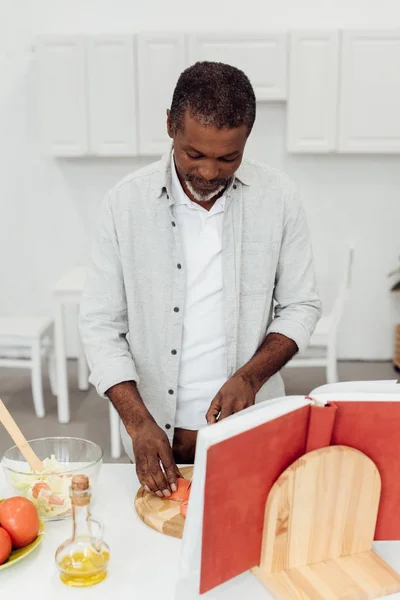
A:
(83, 559)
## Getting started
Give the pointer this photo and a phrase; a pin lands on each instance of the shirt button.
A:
(173, 352)
(173, 223)
(176, 309)
(170, 392)
(179, 266)
(168, 426)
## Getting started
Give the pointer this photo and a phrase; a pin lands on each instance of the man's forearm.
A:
(129, 404)
(272, 355)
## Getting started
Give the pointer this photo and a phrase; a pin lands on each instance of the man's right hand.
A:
(151, 447)
(150, 444)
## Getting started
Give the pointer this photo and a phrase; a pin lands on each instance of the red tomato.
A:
(183, 509)
(20, 519)
(5, 545)
(182, 493)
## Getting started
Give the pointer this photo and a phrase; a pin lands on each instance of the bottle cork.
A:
(80, 483)
(80, 495)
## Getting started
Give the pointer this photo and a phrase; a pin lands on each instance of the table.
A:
(66, 291)
(144, 563)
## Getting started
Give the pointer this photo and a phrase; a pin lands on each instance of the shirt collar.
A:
(177, 190)
(243, 174)
(164, 179)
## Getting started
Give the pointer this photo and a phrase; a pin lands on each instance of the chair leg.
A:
(61, 363)
(51, 359)
(331, 366)
(83, 369)
(115, 433)
(83, 373)
(37, 384)
(51, 366)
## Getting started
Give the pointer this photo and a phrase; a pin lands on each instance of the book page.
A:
(389, 386)
(322, 399)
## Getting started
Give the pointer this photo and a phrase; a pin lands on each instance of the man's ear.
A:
(170, 127)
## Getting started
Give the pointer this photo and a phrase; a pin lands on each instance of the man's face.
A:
(206, 157)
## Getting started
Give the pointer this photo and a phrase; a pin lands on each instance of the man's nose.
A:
(209, 170)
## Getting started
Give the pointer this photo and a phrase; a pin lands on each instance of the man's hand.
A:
(150, 444)
(151, 447)
(240, 390)
(235, 395)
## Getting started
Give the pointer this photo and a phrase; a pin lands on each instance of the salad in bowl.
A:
(62, 457)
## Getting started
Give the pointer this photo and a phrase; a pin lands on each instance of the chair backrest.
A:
(344, 287)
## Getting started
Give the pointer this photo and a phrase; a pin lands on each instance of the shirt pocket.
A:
(258, 267)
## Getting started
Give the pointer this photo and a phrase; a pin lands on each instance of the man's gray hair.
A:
(214, 94)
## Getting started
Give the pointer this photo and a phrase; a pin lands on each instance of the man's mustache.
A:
(205, 182)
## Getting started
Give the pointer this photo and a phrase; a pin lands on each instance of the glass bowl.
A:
(49, 490)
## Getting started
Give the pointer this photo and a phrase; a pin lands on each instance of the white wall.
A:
(47, 206)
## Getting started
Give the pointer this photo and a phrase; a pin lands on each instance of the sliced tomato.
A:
(183, 509)
(182, 493)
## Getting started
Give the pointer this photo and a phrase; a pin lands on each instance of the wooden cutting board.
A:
(162, 514)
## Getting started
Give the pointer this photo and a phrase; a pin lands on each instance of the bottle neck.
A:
(80, 515)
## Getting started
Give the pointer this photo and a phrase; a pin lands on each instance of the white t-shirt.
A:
(203, 362)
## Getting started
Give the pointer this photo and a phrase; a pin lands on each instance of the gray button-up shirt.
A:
(134, 298)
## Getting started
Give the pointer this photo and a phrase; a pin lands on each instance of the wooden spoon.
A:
(33, 461)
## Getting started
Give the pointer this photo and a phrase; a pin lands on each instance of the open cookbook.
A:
(239, 459)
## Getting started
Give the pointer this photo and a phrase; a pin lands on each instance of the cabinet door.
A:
(112, 101)
(370, 92)
(161, 59)
(262, 57)
(61, 94)
(313, 91)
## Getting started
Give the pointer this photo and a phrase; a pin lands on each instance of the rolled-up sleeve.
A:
(103, 318)
(298, 306)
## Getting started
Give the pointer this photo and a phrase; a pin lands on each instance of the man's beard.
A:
(204, 195)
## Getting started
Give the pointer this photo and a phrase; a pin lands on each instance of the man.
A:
(191, 253)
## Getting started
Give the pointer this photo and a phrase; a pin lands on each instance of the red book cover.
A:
(374, 428)
(242, 469)
(240, 472)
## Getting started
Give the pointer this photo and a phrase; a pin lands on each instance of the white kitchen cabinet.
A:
(111, 95)
(263, 57)
(370, 92)
(61, 94)
(161, 59)
(313, 91)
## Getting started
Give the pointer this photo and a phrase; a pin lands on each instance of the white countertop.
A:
(144, 564)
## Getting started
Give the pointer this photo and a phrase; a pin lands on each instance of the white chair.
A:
(324, 338)
(24, 343)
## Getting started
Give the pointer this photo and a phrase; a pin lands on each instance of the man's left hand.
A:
(235, 395)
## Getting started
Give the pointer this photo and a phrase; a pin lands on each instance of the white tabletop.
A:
(72, 280)
(144, 563)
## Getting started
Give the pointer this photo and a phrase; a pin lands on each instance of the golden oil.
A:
(83, 559)
(85, 568)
